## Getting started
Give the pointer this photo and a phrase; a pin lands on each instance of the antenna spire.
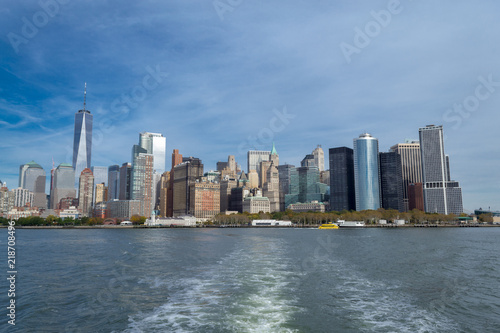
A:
(85, 96)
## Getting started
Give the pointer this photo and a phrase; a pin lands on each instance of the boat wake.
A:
(246, 291)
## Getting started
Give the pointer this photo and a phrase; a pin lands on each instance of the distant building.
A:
(308, 161)
(391, 182)
(441, 194)
(142, 182)
(71, 212)
(156, 145)
(123, 209)
(101, 193)
(305, 186)
(113, 182)
(17, 212)
(366, 172)
(205, 200)
(411, 166)
(32, 177)
(185, 175)
(23, 197)
(255, 205)
(416, 196)
(342, 189)
(100, 176)
(100, 209)
(271, 188)
(63, 184)
(253, 179)
(125, 175)
(313, 206)
(225, 193)
(86, 192)
(254, 157)
(164, 186)
(319, 158)
(82, 143)
(284, 181)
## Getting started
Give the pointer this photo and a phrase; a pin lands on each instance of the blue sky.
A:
(234, 74)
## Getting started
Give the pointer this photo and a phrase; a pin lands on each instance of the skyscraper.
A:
(391, 181)
(82, 143)
(271, 188)
(125, 174)
(411, 166)
(63, 184)
(305, 186)
(342, 189)
(32, 178)
(254, 157)
(100, 176)
(113, 182)
(319, 158)
(366, 172)
(155, 144)
(185, 174)
(441, 194)
(142, 183)
(86, 192)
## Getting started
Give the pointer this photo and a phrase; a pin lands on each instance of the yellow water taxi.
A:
(328, 226)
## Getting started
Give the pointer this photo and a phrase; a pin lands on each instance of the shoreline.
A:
(311, 226)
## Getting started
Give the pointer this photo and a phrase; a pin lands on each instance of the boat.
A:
(328, 226)
(351, 224)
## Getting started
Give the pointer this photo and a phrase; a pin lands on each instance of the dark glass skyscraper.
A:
(391, 181)
(82, 143)
(342, 191)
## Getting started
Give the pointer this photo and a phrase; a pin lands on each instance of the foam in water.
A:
(247, 291)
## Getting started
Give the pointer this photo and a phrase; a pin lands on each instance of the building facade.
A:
(366, 172)
(185, 175)
(82, 141)
(205, 200)
(32, 177)
(63, 184)
(142, 183)
(156, 145)
(113, 182)
(441, 194)
(342, 189)
(391, 181)
(86, 192)
(125, 175)
(319, 158)
(411, 166)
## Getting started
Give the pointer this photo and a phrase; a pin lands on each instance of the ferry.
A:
(351, 224)
(328, 226)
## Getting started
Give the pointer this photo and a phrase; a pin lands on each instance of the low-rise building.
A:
(313, 206)
(71, 212)
(255, 205)
(123, 209)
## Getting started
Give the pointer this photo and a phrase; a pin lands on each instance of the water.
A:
(256, 280)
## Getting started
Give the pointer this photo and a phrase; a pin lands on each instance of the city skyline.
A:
(216, 87)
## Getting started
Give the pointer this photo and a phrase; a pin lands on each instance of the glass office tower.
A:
(366, 172)
(82, 143)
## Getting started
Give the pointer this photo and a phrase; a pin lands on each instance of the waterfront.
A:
(258, 280)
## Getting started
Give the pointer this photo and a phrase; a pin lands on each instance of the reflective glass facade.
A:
(366, 172)
(82, 143)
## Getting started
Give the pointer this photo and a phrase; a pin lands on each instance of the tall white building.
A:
(319, 158)
(156, 145)
(441, 194)
(32, 177)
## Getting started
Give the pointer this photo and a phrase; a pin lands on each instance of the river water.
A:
(256, 280)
